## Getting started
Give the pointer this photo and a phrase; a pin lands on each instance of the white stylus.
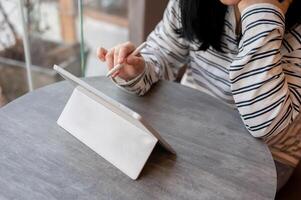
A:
(119, 66)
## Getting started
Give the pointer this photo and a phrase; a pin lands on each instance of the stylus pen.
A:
(119, 66)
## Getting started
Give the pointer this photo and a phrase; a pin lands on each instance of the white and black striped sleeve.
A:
(259, 85)
(164, 54)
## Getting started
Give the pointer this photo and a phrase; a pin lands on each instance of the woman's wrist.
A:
(122, 81)
(135, 74)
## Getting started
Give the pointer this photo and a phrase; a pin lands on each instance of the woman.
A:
(245, 52)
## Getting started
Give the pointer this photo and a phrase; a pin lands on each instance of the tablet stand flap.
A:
(110, 135)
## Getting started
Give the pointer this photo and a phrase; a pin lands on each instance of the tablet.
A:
(114, 106)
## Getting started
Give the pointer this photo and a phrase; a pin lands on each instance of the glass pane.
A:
(11, 54)
(54, 38)
(106, 25)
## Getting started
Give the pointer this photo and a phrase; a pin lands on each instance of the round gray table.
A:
(216, 157)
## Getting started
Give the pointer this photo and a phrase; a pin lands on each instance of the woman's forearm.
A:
(260, 89)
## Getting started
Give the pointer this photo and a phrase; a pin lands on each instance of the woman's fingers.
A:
(110, 58)
(116, 54)
(134, 66)
(101, 53)
(124, 51)
(115, 74)
(120, 54)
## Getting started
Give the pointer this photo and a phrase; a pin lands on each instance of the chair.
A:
(292, 190)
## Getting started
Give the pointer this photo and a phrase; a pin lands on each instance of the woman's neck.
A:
(237, 20)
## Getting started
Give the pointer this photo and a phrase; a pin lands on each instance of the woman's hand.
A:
(134, 65)
(283, 5)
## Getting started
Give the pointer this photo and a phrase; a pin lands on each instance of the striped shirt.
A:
(258, 72)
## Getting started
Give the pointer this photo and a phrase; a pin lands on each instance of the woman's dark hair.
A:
(203, 21)
(293, 15)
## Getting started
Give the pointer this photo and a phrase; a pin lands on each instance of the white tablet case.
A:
(112, 130)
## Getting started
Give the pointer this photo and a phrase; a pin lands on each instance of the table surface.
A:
(216, 157)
